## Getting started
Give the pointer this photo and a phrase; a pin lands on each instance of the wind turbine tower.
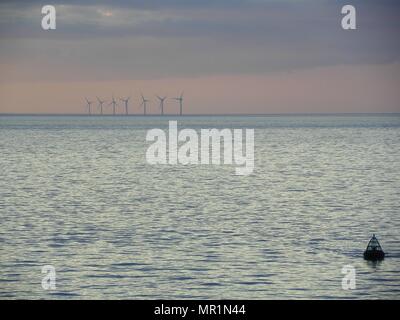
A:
(162, 99)
(126, 104)
(180, 99)
(101, 102)
(89, 103)
(144, 104)
(114, 104)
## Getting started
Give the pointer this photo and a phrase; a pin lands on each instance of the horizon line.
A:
(203, 115)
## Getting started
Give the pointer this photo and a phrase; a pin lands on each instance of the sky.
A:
(228, 56)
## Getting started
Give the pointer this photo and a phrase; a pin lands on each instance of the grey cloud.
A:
(157, 38)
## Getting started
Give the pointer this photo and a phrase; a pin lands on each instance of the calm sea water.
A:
(77, 193)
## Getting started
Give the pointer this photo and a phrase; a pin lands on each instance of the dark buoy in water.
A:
(374, 250)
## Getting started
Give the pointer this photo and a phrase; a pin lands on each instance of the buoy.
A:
(374, 250)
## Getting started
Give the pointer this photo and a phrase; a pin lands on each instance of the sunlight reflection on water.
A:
(76, 193)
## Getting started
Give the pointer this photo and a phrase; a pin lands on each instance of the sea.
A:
(77, 194)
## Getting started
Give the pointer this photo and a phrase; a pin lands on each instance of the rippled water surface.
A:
(77, 193)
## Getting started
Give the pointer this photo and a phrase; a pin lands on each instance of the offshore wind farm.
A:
(135, 108)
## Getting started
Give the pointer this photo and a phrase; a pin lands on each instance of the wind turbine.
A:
(180, 99)
(161, 103)
(126, 104)
(144, 104)
(101, 102)
(113, 103)
(89, 103)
